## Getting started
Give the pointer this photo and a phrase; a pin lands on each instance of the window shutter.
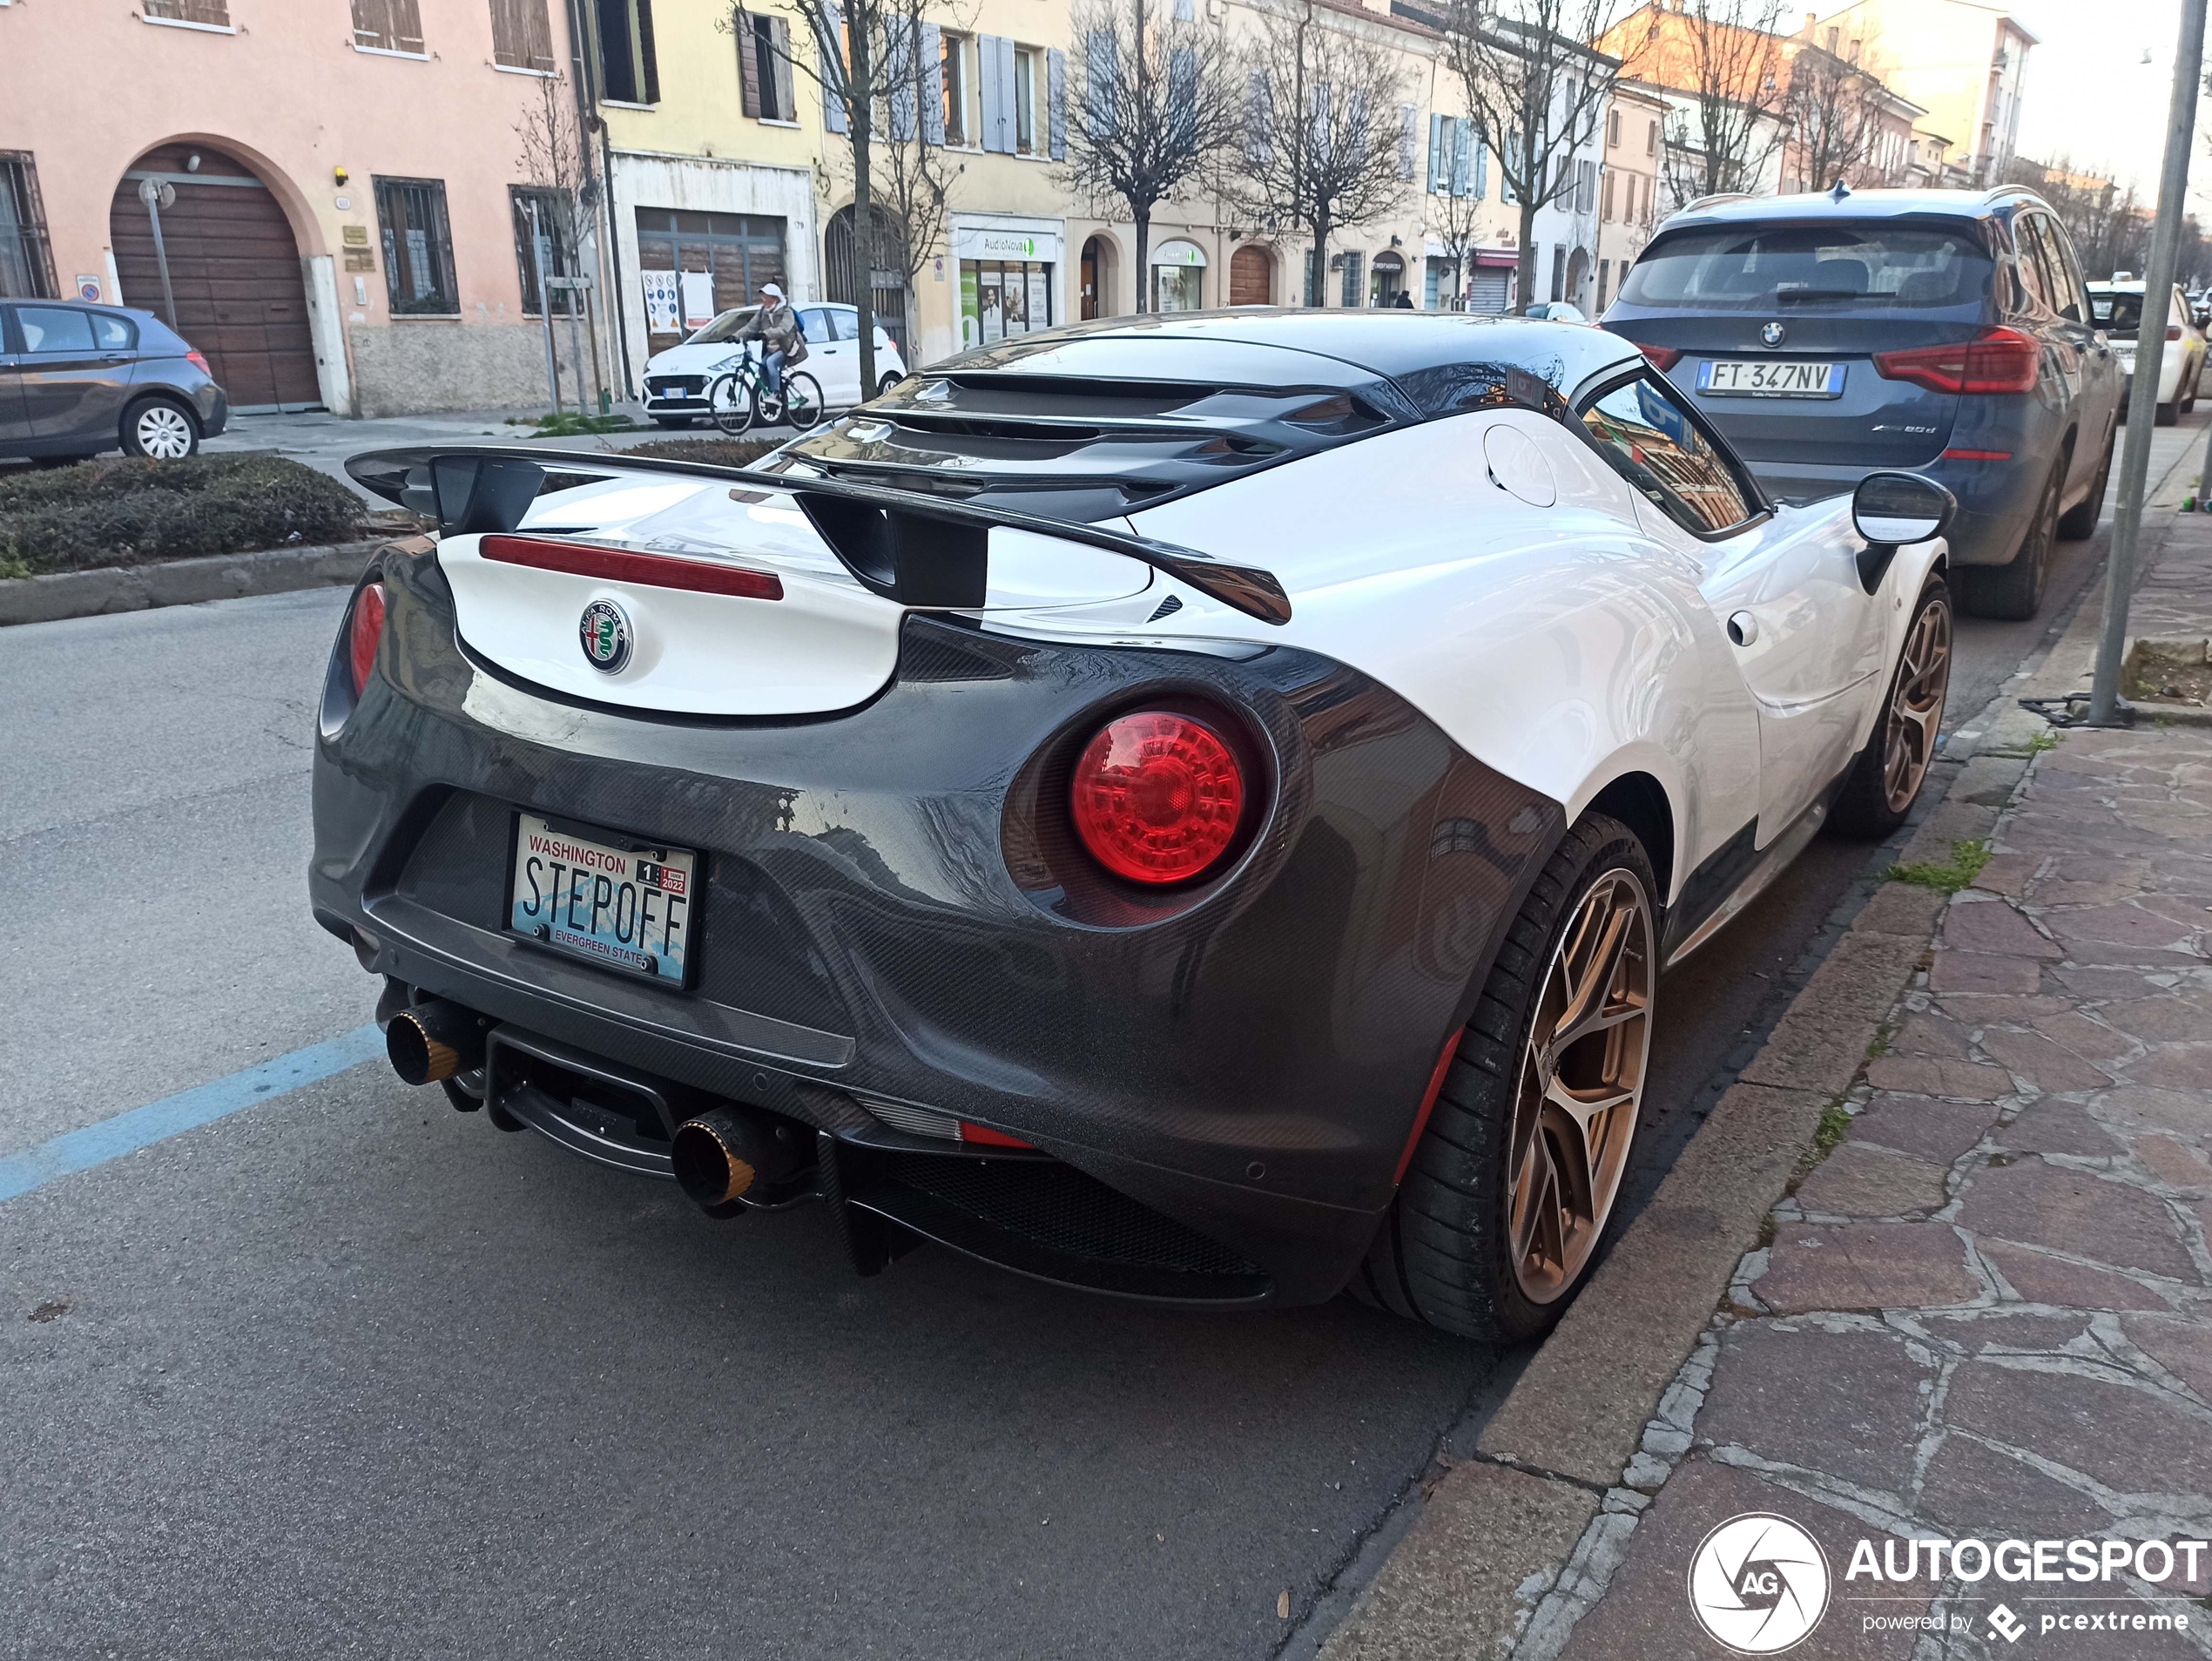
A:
(1462, 161)
(899, 46)
(1102, 71)
(1260, 119)
(645, 51)
(929, 82)
(832, 47)
(1008, 93)
(1439, 162)
(1056, 83)
(749, 63)
(1405, 141)
(786, 96)
(406, 26)
(1317, 118)
(1183, 85)
(1481, 167)
(1606, 214)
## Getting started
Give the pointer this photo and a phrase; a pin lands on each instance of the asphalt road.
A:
(347, 1372)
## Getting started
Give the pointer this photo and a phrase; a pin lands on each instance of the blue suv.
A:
(1945, 332)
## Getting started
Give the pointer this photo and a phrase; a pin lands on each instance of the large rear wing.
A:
(907, 545)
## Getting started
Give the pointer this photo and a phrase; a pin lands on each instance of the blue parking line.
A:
(95, 1145)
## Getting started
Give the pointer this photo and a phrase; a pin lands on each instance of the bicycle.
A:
(740, 398)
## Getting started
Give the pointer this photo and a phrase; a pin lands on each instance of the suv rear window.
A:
(2118, 313)
(1849, 267)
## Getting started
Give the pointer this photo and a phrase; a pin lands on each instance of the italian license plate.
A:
(625, 908)
(1769, 378)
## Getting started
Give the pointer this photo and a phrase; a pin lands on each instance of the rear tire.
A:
(1511, 1186)
(886, 384)
(160, 429)
(1886, 781)
(2079, 522)
(803, 406)
(2014, 592)
(2168, 414)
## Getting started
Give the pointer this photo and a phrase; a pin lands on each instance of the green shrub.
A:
(130, 512)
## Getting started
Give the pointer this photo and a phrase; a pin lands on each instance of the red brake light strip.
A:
(626, 565)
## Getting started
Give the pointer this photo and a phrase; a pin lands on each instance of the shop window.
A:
(26, 258)
(387, 26)
(418, 247)
(1178, 279)
(628, 72)
(1002, 298)
(521, 36)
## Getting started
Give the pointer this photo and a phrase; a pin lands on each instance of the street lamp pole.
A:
(2106, 707)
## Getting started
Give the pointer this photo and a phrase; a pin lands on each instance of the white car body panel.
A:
(834, 364)
(1565, 645)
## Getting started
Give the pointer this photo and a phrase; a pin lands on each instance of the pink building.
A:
(337, 199)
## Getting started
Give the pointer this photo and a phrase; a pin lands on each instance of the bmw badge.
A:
(604, 633)
(1774, 334)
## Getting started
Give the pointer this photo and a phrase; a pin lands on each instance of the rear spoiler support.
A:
(906, 546)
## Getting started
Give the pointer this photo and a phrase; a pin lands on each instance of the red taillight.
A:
(626, 565)
(1976, 456)
(200, 363)
(1158, 797)
(363, 632)
(2173, 331)
(1662, 357)
(983, 1137)
(1997, 359)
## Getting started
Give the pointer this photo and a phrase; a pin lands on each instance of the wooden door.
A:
(241, 297)
(1251, 278)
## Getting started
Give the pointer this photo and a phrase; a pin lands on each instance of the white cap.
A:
(770, 288)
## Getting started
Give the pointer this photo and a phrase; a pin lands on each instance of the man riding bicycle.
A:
(783, 341)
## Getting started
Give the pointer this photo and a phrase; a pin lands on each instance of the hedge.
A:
(132, 512)
(718, 452)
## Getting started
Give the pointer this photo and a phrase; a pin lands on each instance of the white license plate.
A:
(1769, 378)
(628, 908)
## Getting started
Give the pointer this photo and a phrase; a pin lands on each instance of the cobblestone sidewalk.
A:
(1987, 1313)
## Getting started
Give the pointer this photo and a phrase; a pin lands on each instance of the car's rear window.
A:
(2119, 315)
(1838, 266)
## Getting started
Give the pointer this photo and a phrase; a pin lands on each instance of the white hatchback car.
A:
(677, 380)
(2118, 308)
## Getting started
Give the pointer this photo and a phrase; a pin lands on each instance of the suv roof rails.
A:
(1717, 196)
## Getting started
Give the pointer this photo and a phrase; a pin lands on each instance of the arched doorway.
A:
(1096, 278)
(1179, 276)
(1578, 277)
(233, 268)
(1386, 278)
(1251, 278)
(842, 266)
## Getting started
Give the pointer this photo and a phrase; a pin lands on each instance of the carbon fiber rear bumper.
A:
(894, 912)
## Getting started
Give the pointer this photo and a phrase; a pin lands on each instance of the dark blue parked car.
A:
(1945, 332)
(75, 380)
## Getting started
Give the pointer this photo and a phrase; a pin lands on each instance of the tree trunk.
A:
(1143, 259)
(860, 111)
(1525, 271)
(1321, 263)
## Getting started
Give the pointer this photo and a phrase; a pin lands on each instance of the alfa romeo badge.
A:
(604, 632)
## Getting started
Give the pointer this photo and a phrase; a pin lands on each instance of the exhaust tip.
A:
(431, 1042)
(709, 1166)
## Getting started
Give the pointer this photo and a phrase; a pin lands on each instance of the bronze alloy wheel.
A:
(1916, 705)
(1581, 1084)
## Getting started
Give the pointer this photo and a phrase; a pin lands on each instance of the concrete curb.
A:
(181, 581)
(1510, 1548)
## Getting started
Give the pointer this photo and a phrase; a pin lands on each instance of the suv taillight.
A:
(1662, 357)
(363, 631)
(1158, 797)
(200, 363)
(1995, 360)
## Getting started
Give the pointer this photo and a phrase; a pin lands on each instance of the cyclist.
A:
(783, 343)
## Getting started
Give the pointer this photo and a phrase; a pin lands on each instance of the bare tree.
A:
(554, 161)
(1538, 90)
(1155, 103)
(1327, 140)
(912, 175)
(866, 57)
(1836, 113)
(1725, 60)
(1456, 219)
(2109, 228)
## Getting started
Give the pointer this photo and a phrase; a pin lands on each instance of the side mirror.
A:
(1890, 510)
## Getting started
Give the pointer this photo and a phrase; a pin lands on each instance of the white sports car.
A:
(1194, 807)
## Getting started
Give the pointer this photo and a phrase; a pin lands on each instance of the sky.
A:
(2089, 95)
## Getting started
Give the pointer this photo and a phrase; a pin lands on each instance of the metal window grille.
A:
(26, 258)
(556, 223)
(418, 246)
